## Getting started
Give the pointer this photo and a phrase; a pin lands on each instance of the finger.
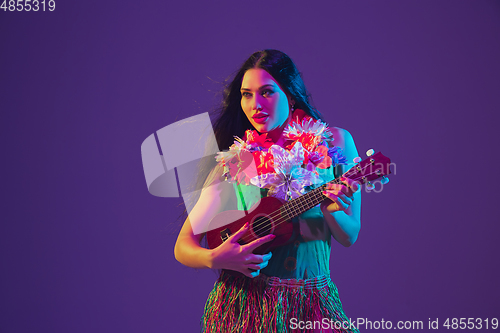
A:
(345, 190)
(258, 242)
(238, 234)
(247, 273)
(352, 184)
(333, 194)
(256, 258)
(345, 198)
(345, 186)
(348, 192)
(343, 204)
(340, 203)
(331, 186)
(267, 256)
(348, 188)
(339, 188)
(258, 267)
(254, 274)
(342, 198)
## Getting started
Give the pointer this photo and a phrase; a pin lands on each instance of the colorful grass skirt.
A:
(271, 304)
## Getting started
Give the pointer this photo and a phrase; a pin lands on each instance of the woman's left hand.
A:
(340, 196)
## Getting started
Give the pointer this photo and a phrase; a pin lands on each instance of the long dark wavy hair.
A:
(230, 118)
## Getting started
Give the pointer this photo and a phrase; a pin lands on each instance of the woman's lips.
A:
(260, 118)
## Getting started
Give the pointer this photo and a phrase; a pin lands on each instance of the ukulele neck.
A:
(305, 202)
(374, 167)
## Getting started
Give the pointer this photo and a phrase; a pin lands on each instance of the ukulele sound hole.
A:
(262, 226)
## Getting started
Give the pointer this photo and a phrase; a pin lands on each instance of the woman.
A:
(268, 106)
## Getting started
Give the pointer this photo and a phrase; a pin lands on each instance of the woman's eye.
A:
(246, 94)
(267, 93)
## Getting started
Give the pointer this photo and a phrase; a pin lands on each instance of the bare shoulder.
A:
(343, 139)
(340, 136)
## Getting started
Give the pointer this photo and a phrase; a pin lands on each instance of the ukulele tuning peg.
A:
(384, 180)
(370, 152)
(370, 186)
(357, 159)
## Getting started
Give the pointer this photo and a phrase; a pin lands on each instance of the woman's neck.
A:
(276, 135)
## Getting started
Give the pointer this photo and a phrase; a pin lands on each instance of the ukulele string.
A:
(282, 219)
(278, 217)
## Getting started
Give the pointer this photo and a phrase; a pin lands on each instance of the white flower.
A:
(289, 179)
(308, 125)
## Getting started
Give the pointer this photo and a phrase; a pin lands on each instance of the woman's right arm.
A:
(230, 254)
(187, 248)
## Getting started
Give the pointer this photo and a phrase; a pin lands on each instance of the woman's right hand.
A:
(233, 256)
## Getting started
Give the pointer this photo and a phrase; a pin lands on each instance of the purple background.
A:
(85, 248)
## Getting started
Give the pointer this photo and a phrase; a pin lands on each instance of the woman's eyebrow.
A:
(262, 87)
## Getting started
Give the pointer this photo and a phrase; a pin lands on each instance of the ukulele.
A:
(274, 215)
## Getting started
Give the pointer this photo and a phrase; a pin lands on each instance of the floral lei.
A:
(256, 160)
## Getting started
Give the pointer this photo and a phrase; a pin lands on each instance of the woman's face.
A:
(265, 104)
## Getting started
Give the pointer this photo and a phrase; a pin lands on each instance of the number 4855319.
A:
(27, 5)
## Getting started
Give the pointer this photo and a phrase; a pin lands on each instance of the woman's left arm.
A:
(342, 211)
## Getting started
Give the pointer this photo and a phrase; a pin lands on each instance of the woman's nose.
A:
(257, 105)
